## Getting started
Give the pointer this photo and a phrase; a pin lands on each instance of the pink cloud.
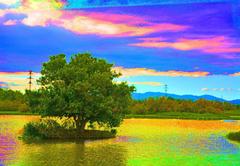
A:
(18, 80)
(169, 27)
(126, 72)
(182, 43)
(87, 25)
(219, 44)
(235, 74)
(147, 83)
(3, 85)
(226, 50)
(153, 39)
(45, 13)
(18, 73)
(10, 22)
(115, 18)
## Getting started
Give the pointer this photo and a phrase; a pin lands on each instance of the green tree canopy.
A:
(12, 101)
(7, 94)
(82, 89)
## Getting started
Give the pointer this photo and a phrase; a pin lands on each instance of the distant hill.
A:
(237, 101)
(142, 96)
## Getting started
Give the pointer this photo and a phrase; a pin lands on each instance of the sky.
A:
(193, 46)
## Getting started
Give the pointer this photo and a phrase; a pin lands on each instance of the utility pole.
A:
(166, 89)
(30, 80)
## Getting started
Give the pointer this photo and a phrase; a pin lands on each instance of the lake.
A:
(139, 142)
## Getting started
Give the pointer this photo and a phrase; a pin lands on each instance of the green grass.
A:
(187, 115)
(15, 113)
(230, 115)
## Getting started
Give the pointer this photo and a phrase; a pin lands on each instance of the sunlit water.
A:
(139, 142)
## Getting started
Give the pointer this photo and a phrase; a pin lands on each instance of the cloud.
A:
(17, 80)
(219, 89)
(235, 74)
(142, 83)
(3, 85)
(152, 39)
(116, 18)
(9, 2)
(46, 13)
(10, 22)
(215, 45)
(151, 72)
(147, 83)
(86, 25)
(205, 89)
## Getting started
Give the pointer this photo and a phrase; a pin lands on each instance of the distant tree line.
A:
(12, 101)
(16, 101)
(164, 104)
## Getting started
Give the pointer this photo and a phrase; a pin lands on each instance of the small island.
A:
(234, 136)
(75, 98)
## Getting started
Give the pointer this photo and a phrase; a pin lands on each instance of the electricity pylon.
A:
(30, 80)
(166, 89)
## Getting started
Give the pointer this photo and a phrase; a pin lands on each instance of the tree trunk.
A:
(80, 124)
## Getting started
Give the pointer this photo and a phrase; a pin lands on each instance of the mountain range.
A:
(142, 96)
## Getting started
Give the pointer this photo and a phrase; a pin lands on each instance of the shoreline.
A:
(163, 115)
(15, 113)
(186, 116)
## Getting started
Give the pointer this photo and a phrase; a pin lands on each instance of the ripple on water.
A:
(140, 142)
(7, 148)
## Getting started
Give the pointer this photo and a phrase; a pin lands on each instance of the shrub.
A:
(235, 136)
(114, 131)
(23, 108)
(32, 131)
(50, 124)
(51, 129)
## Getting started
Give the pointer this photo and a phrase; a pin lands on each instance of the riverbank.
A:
(187, 115)
(233, 115)
(15, 113)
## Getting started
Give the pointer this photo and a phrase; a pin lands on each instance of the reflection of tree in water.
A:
(74, 153)
(7, 147)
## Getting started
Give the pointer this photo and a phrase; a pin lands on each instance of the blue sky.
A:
(193, 47)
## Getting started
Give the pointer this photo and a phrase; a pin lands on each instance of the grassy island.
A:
(46, 129)
(234, 136)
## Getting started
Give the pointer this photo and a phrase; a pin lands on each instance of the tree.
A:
(12, 101)
(82, 89)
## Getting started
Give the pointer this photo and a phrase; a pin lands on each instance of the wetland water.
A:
(139, 142)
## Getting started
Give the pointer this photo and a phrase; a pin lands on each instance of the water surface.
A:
(139, 142)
